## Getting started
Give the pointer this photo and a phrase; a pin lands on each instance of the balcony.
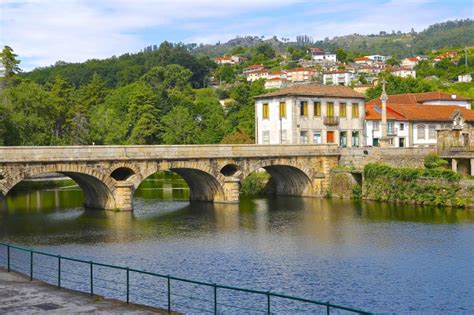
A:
(392, 131)
(331, 121)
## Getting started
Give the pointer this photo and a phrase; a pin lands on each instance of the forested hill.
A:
(453, 34)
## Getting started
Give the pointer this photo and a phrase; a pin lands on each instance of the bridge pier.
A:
(231, 190)
(123, 196)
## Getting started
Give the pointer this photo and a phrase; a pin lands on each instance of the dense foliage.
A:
(160, 106)
(436, 186)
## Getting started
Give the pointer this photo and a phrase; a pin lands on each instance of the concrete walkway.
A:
(19, 295)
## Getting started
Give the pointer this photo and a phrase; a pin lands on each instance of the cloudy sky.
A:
(44, 31)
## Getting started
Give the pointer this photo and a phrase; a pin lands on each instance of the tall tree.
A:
(10, 65)
(180, 127)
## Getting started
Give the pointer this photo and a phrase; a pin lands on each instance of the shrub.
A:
(433, 160)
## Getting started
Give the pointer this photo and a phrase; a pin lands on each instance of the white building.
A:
(403, 72)
(377, 58)
(257, 74)
(229, 60)
(464, 78)
(276, 83)
(338, 77)
(310, 113)
(410, 62)
(413, 118)
(320, 55)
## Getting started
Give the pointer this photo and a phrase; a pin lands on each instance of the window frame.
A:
(304, 108)
(356, 110)
(266, 111)
(343, 113)
(317, 109)
(282, 111)
(423, 129)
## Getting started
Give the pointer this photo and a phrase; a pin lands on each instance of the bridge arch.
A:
(203, 184)
(287, 177)
(97, 187)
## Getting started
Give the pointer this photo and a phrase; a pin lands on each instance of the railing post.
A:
(328, 308)
(31, 265)
(169, 294)
(268, 303)
(8, 257)
(215, 298)
(128, 285)
(92, 277)
(59, 271)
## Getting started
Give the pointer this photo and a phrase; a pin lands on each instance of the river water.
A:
(372, 256)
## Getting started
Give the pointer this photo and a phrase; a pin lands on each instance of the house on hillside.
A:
(299, 75)
(276, 83)
(229, 60)
(427, 98)
(338, 77)
(310, 113)
(253, 68)
(465, 78)
(402, 72)
(257, 74)
(377, 58)
(409, 63)
(322, 56)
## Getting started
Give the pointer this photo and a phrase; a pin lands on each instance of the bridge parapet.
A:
(109, 175)
(116, 153)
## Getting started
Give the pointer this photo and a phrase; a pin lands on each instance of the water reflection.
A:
(364, 254)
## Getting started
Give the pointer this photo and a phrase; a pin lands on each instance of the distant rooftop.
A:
(315, 89)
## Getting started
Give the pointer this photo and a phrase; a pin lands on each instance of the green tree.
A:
(341, 55)
(209, 114)
(397, 85)
(10, 65)
(143, 116)
(180, 127)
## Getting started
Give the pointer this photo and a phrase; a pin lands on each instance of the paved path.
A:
(20, 296)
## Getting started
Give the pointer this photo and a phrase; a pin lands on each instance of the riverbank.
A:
(19, 295)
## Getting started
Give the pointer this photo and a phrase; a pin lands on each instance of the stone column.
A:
(124, 196)
(454, 165)
(471, 171)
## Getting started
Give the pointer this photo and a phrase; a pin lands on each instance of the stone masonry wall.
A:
(357, 158)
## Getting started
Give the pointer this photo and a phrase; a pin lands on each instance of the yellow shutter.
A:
(355, 110)
(266, 113)
(342, 109)
(330, 109)
(282, 109)
(317, 108)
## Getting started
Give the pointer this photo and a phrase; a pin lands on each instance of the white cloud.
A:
(44, 31)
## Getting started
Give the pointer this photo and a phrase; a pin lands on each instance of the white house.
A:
(411, 125)
(403, 72)
(300, 74)
(257, 74)
(253, 68)
(410, 62)
(320, 55)
(413, 118)
(229, 59)
(310, 113)
(465, 78)
(338, 77)
(377, 58)
(276, 83)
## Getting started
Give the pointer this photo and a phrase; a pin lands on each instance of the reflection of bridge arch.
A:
(203, 184)
(97, 187)
(287, 177)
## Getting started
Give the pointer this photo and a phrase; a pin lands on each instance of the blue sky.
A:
(45, 31)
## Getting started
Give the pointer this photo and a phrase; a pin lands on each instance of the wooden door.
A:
(330, 137)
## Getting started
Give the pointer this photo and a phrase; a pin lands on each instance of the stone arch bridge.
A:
(109, 175)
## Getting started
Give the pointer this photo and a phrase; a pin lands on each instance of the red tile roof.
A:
(315, 89)
(418, 98)
(442, 113)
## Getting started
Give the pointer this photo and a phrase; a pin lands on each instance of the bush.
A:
(254, 184)
(433, 160)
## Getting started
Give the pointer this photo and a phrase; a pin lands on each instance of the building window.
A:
(343, 139)
(266, 111)
(355, 110)
(303, 137)
(317, 108)
(402, 127)
(420, 132)
(342, 110)
(282, 109)
(304, 108)
(329, 136)
(432, 132)
(390, 128)
(376, 125)
(330, 109)
(355, 139)
(266, 136)
(317, 137)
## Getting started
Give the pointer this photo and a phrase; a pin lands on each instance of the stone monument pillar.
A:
(384, 140)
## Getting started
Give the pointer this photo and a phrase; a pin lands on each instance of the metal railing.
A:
(331, 120)
(28, 262)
